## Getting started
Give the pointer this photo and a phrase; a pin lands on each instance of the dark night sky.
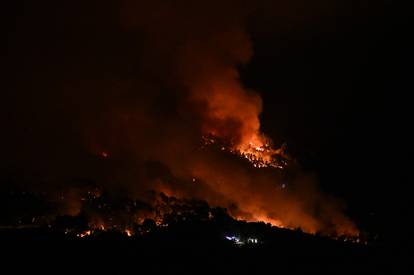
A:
(343, 96)
(334, 87)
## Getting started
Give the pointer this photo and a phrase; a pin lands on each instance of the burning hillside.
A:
(260, 155)
(130, 106)
(101, 214)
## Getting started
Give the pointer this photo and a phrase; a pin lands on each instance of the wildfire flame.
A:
(104, 155)
(262, 155)
(259, 151)
(85, 233)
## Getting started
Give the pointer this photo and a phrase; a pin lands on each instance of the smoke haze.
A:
(123, 92)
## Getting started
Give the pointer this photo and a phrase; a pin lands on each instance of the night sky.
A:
(335, 78)
(342, 88)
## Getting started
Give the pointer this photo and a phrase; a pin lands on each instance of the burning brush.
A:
(260, 153)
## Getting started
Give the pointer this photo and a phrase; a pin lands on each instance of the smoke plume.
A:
(123, 92)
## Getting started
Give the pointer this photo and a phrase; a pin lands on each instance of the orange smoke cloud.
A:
(204, 55)
(149, 84)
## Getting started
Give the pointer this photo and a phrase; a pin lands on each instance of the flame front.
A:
(85, 233)
(143, 119)
(259, 151)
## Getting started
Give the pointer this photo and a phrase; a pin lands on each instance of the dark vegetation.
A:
(182, 236)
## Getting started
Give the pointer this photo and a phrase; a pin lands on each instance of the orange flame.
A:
(128, 232)
(84, 234)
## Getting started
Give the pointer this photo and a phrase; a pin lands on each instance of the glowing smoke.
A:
(144, 82)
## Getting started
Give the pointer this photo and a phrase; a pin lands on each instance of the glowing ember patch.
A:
(104, 155)
(128, 232)
(258, 152)
(84, 234)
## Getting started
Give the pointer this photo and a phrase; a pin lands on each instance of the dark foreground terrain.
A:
(194, 248)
